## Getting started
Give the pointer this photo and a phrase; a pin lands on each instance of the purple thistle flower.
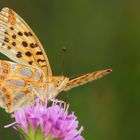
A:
(54, 121)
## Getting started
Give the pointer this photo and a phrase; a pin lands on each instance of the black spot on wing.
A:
(40, 60)
(19, 54)
(20, 33)
(11, 28)
(39, 53)
(32, 45)
(28, 53)
(30, 62)
(24, 43)
(30, 34)
(14, 43)
(6, 39)
(6, 33)
(14, 36)
(8, 47)
(26, 34)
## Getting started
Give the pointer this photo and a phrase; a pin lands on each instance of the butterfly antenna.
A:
(9, 3)
(64, 49)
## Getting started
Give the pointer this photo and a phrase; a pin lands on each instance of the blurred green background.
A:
(98, 35)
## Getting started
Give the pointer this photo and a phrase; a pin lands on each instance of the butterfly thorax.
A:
(55, 85)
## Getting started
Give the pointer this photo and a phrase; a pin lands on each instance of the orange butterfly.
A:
(30, 75)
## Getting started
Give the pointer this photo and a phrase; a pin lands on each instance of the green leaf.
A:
(23, 133)
(31, 132)
(34, 135)
(38, 134)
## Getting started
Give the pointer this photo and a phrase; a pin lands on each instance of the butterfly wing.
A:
(19, 85)
(19, 43)
(86, 78)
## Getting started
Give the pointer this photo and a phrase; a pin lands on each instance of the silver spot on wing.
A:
(37, 90)
(26, 72)
(13, 66)
(37, 75)
(20, 96)
(16, 83)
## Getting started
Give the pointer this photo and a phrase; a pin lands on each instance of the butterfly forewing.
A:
(19, 43)
(19, 85)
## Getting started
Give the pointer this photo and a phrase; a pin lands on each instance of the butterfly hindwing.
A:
(19, 85)
(19, 43)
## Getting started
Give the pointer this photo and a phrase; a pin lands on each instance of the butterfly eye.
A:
(58, 83)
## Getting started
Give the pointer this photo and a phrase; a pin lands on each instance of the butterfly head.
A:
(56, 85)
(60, 82)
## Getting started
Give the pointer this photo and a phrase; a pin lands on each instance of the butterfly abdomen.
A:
(86, 78)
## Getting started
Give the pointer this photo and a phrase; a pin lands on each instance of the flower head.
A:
(53, 121)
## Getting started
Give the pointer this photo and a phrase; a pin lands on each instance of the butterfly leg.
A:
(60, 102)
(42, 98)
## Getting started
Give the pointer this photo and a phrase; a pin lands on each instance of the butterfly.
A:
(30, 75)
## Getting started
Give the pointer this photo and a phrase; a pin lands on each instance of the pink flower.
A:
(54, 121)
